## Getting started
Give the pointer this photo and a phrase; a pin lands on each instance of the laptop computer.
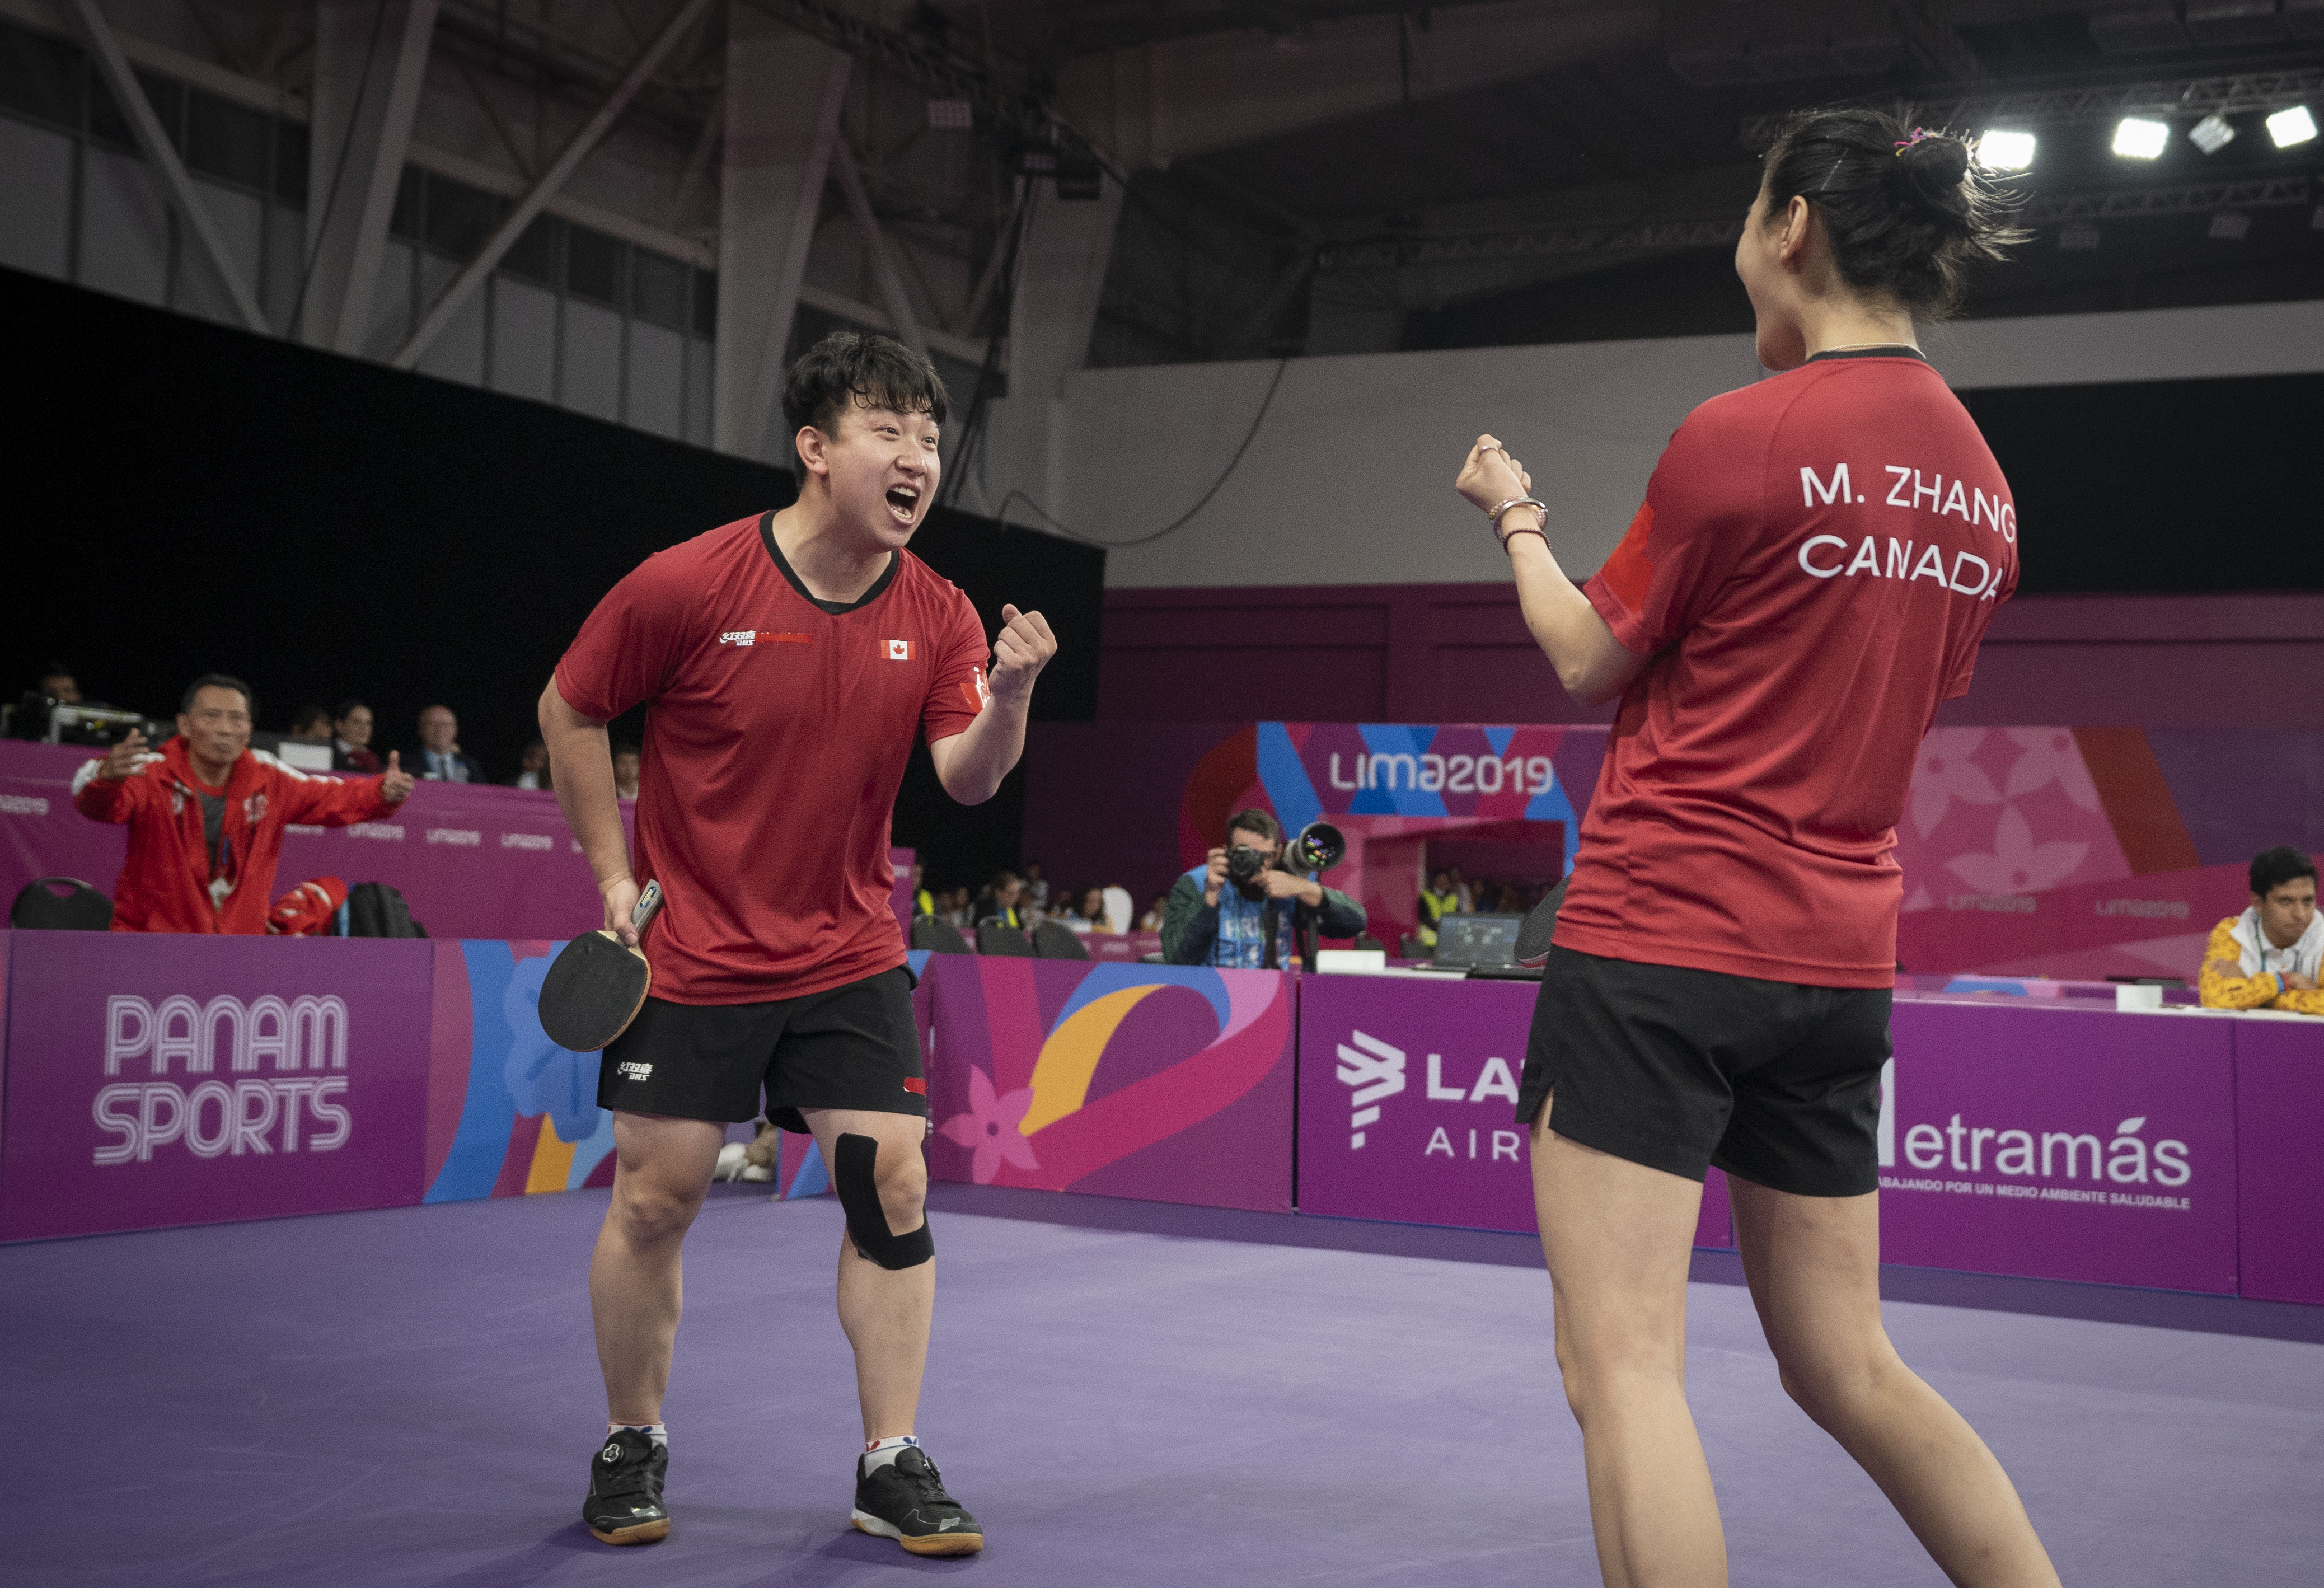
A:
(1484, 946)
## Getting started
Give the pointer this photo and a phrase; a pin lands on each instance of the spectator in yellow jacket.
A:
(2270, 957)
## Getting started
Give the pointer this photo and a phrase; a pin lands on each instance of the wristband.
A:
(1493, 514)
(1513, 534)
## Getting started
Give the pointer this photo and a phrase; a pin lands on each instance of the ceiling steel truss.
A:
(1388, 253)
(2187, 97)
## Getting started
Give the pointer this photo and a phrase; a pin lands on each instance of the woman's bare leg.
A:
(1618, 1235)
(1814, 1267)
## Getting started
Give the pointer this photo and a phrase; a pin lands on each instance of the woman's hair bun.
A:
(1935, 165)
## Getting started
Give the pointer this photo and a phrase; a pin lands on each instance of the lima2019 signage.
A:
(252, 1079)
(2130, 1166)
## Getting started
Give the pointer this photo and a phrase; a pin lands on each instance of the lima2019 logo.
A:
(297, 1107)
(1375, 1072)
(2009, 1161)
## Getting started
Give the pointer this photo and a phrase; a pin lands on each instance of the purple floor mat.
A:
(410, 1398)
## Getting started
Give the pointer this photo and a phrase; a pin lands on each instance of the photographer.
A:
(1242, 910)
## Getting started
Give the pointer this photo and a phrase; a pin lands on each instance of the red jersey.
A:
(778, 735)
(1817, 559)
(177, 878)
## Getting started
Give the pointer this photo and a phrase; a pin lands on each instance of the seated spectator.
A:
(310, 725)
(441, 759)
(1037, 887)
(2268, 958)
(963, 912)
(1437, 901)
(1151, 922)
(350, 726)
(1085, 909)
(57, 683)
(1467, 891)
(923, 901)
(1255, 920)
(1001, 900)
(533, 772)
(629, 762)
(206, 814)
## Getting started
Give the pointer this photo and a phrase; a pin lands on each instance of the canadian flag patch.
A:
(900, 651)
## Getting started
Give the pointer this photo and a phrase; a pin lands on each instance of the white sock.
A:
(881, 1452)
(656, 1432)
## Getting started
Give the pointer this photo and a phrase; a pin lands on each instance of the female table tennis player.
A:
(1817, 559)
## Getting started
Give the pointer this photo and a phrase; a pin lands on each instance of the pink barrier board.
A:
(1407, 1102)
(2279, 1125)
(159, 1080)
(1171, 1084)
(2019, 1137)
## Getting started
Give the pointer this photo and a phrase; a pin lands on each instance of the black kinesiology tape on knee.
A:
(856, 1175)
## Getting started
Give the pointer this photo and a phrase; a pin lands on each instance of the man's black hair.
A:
(219, 681)
(864, 369)
(2272, 868)
(55, 670)
(346, 709)
(305, 715)
(1256, 820)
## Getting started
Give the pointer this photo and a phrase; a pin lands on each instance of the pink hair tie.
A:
(1918, 134)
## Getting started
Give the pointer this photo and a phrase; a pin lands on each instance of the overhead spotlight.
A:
(2005, 152)
(2292, 127)
(2231, 226)
(2141, 140)
(2212, 133)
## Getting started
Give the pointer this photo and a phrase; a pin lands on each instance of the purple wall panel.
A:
(1460, 653)
(2279, 1123)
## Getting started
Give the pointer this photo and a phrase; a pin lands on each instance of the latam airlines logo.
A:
(247, 1112)
(2047, 1166)
(1375, 1071)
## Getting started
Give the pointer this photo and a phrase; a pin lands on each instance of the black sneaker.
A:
(906, 1500)
(624, 1504)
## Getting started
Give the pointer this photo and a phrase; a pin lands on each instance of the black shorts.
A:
(849, 1046)
(1678, 1069)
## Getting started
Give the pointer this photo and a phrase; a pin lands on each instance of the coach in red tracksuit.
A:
(206, 814)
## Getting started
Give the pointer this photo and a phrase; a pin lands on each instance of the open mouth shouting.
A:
(904, 502)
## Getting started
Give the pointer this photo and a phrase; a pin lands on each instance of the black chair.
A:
(1366, 940)
(1053, 941)
(995, 935)
(79, 909)
(1414, 948)
(938, 937)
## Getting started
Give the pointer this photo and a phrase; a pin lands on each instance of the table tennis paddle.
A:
(595, 986)
(1533, 937)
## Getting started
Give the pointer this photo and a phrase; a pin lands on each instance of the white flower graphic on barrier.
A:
(1945, 774)
(2051, 756)
(2017, 864)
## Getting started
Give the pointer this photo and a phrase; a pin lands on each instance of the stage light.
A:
(2005, 152)
(2212, 133)
(2231, 226)
(2141, 140)
(2292, 127)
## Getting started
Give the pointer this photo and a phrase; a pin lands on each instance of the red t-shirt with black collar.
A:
(1816, 561)
(778, 733)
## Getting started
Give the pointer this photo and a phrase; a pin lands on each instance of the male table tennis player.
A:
(789, 657)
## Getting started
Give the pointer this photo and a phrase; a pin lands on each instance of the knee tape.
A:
(856, 1175)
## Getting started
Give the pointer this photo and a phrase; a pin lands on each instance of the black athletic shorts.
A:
(848, 1047)
(1678, 1069)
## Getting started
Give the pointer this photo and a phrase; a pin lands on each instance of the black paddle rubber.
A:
(595, 987)
(1533, 937)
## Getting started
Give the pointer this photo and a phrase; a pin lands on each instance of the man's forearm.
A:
(581, 770)
(985, 753)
